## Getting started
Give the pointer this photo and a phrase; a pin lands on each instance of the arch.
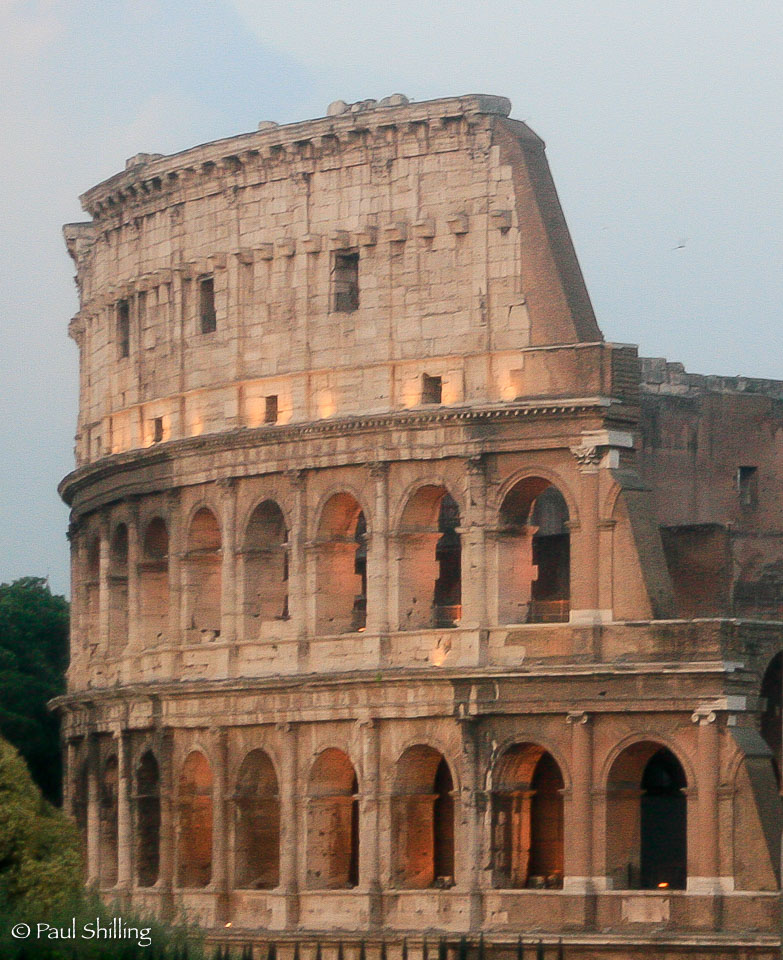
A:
(118, 588)
(257, 824)
(265, 551)
(533, 545)
(147, 802)
(80, 808)
(332, 822)
(194, 835)
(646, 837)
(109, 822)
(341, 566)
(423, 816)
(154, 583)
(771, 717)
(527, 818)
(203, 576)
(430, 561)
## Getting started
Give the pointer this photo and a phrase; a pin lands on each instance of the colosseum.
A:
(409, 614)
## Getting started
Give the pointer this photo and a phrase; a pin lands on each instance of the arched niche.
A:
(527, 819)
(332, 822)
(194, 827)
(118, 589)
(423, 814)
(771, 718)
(646, 825)
(257, 824)
(430, 560)
(533, 560)
(341, 566)
(147, 816)
(265, 554)
(154, 584)
(92, 586)
(203, 576)
(108, 822)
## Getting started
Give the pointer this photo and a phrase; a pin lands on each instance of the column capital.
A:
(577, 717)
(588, 456)
(227, 485)
(296, 477)
(476, 465)
(378, 469)
(703, 716)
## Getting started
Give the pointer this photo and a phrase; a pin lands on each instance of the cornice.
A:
(278, 434)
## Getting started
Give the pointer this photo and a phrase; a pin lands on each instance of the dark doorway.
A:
(663, 824)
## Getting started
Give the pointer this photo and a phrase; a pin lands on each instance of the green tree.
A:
(40, 863)
(33, 659)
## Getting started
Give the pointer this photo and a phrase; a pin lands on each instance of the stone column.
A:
(104, 561)
(289, 823)
(124, 823)
(93, 811)
(473, 536)
(585, 544)
(134, 557)
(298, 599)
(177, 586)
(70, 774)
(369, 820)
(220, 824)
(378, 554)
(471, 810)
(578, 867)
(168, 822)
(706, 863)
(228, 489)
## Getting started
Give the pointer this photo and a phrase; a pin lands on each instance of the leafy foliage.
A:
(33, 659)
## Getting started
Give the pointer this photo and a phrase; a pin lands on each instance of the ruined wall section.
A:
(427, 196)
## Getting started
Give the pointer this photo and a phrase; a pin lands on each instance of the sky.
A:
(662, 119)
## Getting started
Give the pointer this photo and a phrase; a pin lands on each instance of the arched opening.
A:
(108, 823)
(92, 586)
(533, 554)
(257, 824)
(154, 584)
(118, 589)
(194, 863)
(79, 807)
(341, 571)
(771, 719)
(203, 577)
(527, 819)
(332, 823)
(646, 836)
(265, 568)
(430, 567)
(147, 821)
(423, 820)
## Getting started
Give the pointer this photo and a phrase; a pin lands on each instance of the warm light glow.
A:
(227, 924)
(448, 393)
(326, 404)
(440, 651)
(509, 391)
(196, 427)
(663, 884)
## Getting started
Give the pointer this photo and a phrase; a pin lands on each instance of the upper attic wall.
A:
(461, 256)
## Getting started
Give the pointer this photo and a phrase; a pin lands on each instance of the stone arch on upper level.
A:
(154, 585)
(332, 822)
(203, 575)
(257, 823)
(340, 558)
(265, 567)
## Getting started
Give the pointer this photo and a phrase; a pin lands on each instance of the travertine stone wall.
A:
(372, 624)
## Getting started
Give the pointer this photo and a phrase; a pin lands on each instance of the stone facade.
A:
(403, 603)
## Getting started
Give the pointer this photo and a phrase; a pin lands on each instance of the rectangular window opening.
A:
(431, 389)
(123, 328)
(345, 276)
(747, 485)
(270, 411)
(157, 426)
(206, 288)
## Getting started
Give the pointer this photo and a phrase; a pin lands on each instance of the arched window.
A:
(203, 577)
(154, 584)
(423, 820)
(118, 589)
(771, 719)
(79, 807)
(646, 834)
(194, 862)
(527, 819)
(265, 568)
(332, 823)
(147, 821)
(533, 554)
(341, 572)
(108, 823)
(257, 824)
(430, 568)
